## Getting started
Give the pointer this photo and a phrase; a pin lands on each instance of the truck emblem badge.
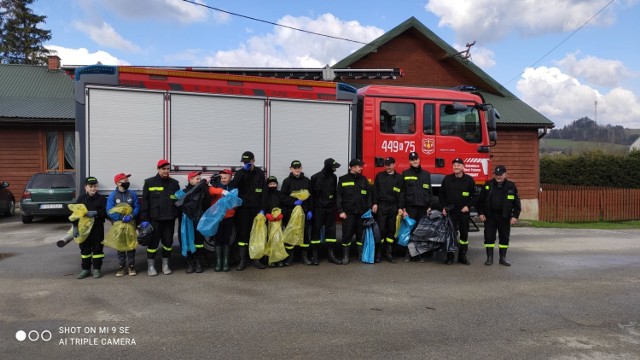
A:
(428, 146)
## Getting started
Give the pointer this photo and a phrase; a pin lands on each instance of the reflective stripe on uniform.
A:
(359, 243)
(153, 251)
(304, 245)
(199, 246)
(462, 242)
(315, 242)
(98, 256)
(489, 245)
(258, 190)
(348, 184)
(389, 240)
(363, 192)
(330, 240)
(425, 186)
(288, 247)
(158, 188)
(346, 244)
(465, 193)
(242, 244)
(486, 187)
(411, 178)
(511, 197)
(396, 189)
(503, 246)
(85, 256)
(172, 197)
(167, 248)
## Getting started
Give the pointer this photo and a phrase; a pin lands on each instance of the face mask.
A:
(125, 185)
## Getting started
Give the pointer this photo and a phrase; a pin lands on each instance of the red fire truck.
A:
(129, 117)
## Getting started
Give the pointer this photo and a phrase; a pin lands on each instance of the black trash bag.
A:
(377, 235)
(145, 233)
(434, 232)
(196, 201)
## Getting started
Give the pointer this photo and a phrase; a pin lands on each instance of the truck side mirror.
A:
(492, 119)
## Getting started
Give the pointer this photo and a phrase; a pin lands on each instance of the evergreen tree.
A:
(21, 41)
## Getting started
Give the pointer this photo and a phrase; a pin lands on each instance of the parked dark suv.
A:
(48, 195)
(7, 200)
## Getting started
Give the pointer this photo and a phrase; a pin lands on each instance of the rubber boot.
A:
(84, 274)
(450, 256)
(97, 273)
(199, 266)
(225, 258)
(243, 258)
(331, 257)
(305, 257)
(190, 265)
(489, 256)
(289, 260)
(503, 257)
(345, 255)
(151, 267)
(359, 252)
(314, 255)
(378, 256)
(389, 254)
(165, 267)
(462, 255)
(218, 250)
(258, 264)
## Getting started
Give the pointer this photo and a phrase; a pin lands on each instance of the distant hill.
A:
(585, 129)
(548, 146)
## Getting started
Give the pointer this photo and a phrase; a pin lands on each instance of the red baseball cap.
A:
(163, 162)
(120, 176)
(226, 171)
(193, 174)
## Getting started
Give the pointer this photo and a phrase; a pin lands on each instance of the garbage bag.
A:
(404, 234)
(398, 224)
(294, 232)
(210, 220)
(145, 234)
(434, 232)
(122, 236)
(187, 236)
(194, 202)
(300, 194)
(78, 212)
(369, 246)
(275, 249)
(258, 237)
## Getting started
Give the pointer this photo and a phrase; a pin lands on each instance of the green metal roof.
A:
(513, 110)
(31, 92)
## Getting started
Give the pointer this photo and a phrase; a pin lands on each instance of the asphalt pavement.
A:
(569, 294)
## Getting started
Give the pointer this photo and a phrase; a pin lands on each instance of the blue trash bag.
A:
(369, 246)
(404, 235)
(210, 220)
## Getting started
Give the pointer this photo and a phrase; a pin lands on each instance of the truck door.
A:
(459, 135)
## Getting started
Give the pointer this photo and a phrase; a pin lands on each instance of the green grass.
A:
(603, 225)
(572, 147)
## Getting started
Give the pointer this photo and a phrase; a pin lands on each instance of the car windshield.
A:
(52, 181)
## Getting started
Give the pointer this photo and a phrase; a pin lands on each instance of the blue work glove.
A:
(261, 212)
(297, 202)
(309, 215)
(75, 232)
(92, 213)
(145, 224)
(247, 166)
(126, 218)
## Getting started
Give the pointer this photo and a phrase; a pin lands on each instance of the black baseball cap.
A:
(389, 160)
(331, 162)
(296, 164)
(271, 179)
(458, 161)
(499, 170)
(413, 155)
(355, 162)
(90, 180)
(247, 156)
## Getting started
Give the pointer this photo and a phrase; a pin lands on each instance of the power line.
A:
(272, 23)
(563, 41)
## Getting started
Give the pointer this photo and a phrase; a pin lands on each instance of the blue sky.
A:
(600, 62)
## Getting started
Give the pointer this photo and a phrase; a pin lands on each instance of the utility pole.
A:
(595, 111)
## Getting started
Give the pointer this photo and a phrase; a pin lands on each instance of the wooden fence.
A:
(566, 203)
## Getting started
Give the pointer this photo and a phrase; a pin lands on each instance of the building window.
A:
(61, 151)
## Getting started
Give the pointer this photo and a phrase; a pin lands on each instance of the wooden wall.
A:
(517, 149)
(21, 155)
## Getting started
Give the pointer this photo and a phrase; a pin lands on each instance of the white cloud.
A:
(492, 20)
(179, 10)
(289, 48)
(82, 56)
(481, 56)
(105, 35)
(563, 99)
(603, 72)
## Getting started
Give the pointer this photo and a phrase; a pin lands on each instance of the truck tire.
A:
(27, 219)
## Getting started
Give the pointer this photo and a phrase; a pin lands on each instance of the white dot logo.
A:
(21, 335)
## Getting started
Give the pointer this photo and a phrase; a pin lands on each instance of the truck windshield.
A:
(463, 124)
(397, 118)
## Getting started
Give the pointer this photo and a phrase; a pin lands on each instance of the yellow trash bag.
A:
(122, 236)
(294, 232)
(275, 246)
(78, 212)
(258, 237)
(398, 223)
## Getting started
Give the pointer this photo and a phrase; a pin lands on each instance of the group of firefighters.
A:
(392, 194)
